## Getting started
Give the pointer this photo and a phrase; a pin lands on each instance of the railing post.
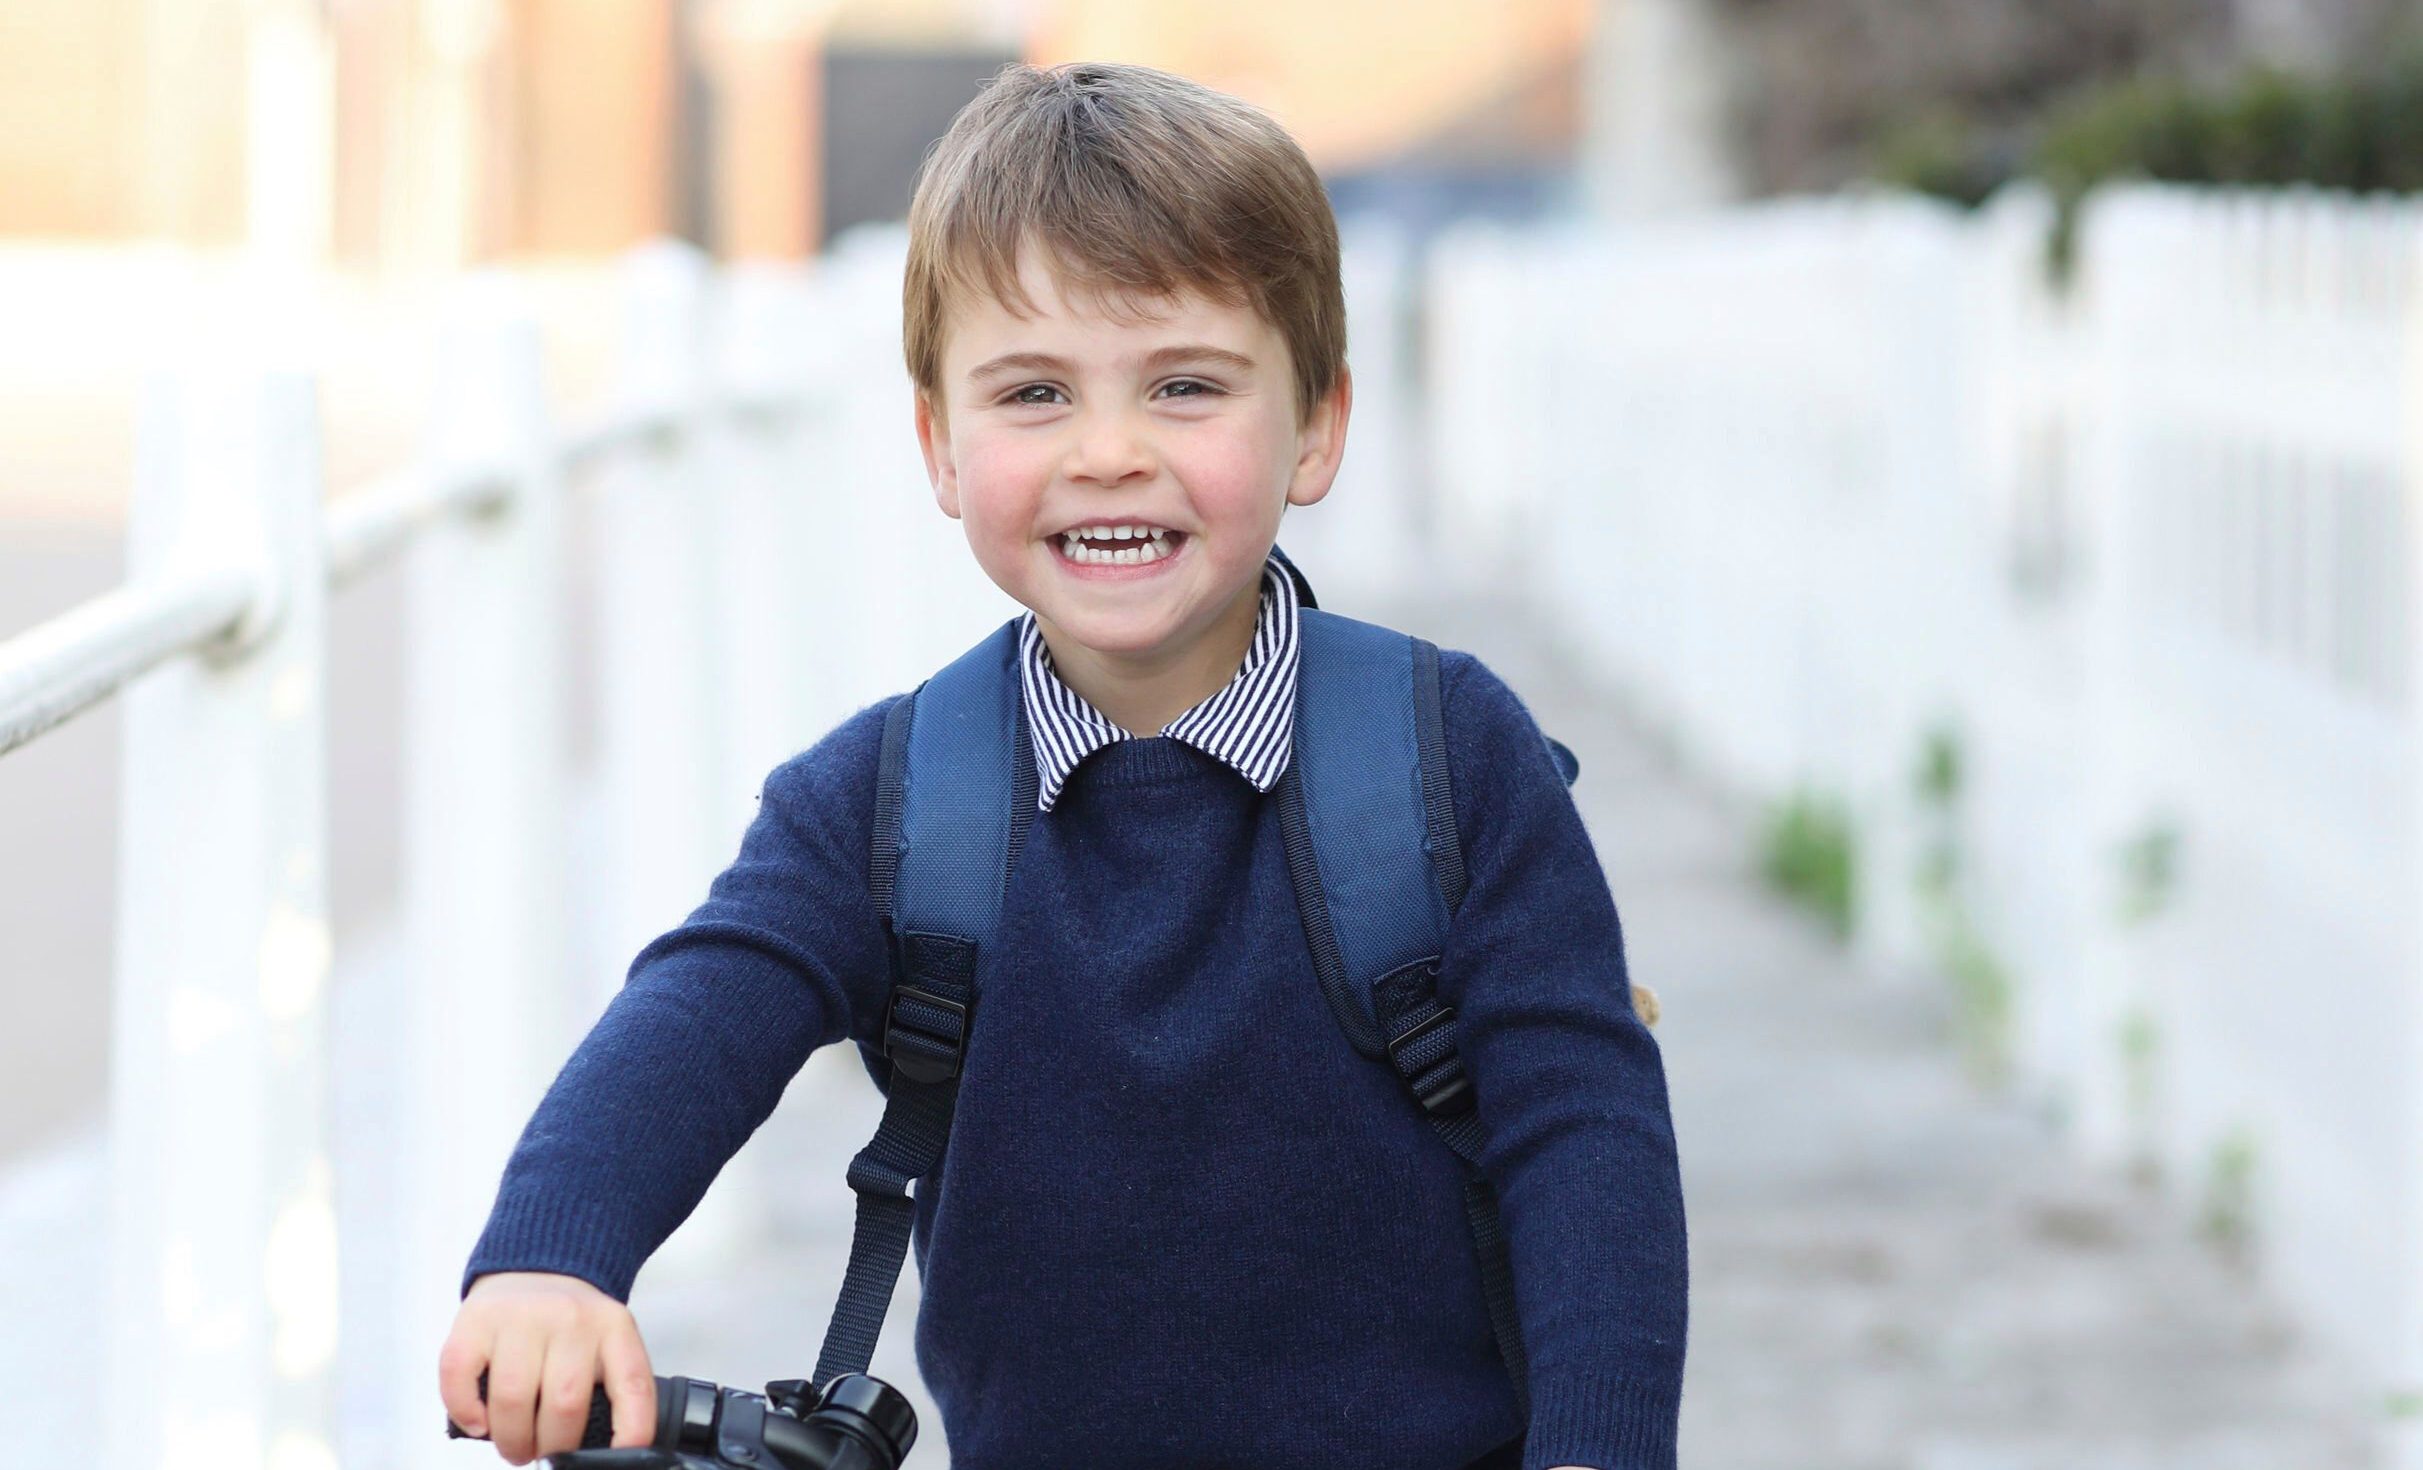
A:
(224, 1248)
(1478, 375)
(669, 806)
(763, 506)
(1364, 541)
(486, 1005)
(2404, 1435)
(896, 552)
(2117, 1057)
(657, 685)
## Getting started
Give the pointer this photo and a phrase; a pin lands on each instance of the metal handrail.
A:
(58, 669)
(584, 448)
(373, 523)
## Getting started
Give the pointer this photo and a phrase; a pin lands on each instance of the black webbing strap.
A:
(924, 1040)
(916, 1119)
(1423, 1051)
(925, 1036)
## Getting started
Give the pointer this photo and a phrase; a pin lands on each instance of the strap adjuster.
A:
(1441, 1088)
(933, 1054)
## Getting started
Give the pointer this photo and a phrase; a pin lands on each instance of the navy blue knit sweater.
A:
(1181, 1222)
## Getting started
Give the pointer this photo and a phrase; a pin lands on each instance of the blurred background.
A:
(1949, 467)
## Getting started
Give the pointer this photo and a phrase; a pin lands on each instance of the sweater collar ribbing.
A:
(1248, 724)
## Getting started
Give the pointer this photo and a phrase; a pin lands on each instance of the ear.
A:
(934, 442)
(1321, 443)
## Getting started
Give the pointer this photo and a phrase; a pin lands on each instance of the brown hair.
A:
(1130, 180)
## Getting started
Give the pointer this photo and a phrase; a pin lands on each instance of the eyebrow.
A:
(1196, 352)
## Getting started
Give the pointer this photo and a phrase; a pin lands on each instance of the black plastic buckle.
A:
(919, 1066)
(1442, 1091)
(794, 1396)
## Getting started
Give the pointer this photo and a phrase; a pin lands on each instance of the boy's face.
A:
(1184, 421)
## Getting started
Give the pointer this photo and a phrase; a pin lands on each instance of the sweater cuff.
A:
(563, 1233)
(1602, 1421)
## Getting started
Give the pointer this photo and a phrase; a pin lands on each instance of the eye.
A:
(1018, 395)
(1206, 390)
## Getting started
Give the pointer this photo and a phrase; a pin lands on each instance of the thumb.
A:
(631, 1387)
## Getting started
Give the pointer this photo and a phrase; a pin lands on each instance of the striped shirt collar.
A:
(1249, 723)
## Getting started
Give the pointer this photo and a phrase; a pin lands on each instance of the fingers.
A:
(513, 1385)
(631, 1384)
(458, 1372)
(543, 1341)
(565, 1385)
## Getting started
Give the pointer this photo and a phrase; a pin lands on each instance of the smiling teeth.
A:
(1074, 545)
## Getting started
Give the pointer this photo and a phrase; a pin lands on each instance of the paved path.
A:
(1889, 1272)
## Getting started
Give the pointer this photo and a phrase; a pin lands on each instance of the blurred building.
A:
(453, 130)
(404, 136)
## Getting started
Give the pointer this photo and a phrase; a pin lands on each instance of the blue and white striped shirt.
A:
(1249, 723)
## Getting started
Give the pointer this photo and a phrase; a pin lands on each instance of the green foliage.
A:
(1980, 982)
(1983, 989)
(1939, 764)
(1943, 154)
(2358, 131)
(2265, 126)
(1936, 783)
(2149, 865)
(2140, 1040)
(1808, 851)
(2227, 1215)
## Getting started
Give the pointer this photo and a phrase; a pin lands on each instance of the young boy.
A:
(1180, 1221)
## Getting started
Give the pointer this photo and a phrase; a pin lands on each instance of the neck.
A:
(1140, 693)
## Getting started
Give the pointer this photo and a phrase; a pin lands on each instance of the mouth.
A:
(1113, 547)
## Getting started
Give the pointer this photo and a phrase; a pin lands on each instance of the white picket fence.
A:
(732, 634)
(1813, 478)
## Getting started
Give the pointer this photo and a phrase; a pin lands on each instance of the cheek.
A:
(1231, 476)
(1001, 481)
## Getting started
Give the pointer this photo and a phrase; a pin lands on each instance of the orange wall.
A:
(1351, 79)
(121, 117)
(66, 129)
(127, 117)
(597, 102)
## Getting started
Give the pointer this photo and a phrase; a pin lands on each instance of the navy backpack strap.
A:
(1369, 824)
(955, 786)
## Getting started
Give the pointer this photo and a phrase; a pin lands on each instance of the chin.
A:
(1118, 638)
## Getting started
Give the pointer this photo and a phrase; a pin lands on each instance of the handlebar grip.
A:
(597, 1434)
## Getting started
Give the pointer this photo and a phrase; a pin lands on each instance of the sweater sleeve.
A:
(1571, 1088)
(714, 1018)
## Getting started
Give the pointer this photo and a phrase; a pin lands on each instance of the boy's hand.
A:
(545, 1342)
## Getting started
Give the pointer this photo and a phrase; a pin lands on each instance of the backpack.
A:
(1369, 826)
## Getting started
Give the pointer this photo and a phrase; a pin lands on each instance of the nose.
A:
(1109, 449)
